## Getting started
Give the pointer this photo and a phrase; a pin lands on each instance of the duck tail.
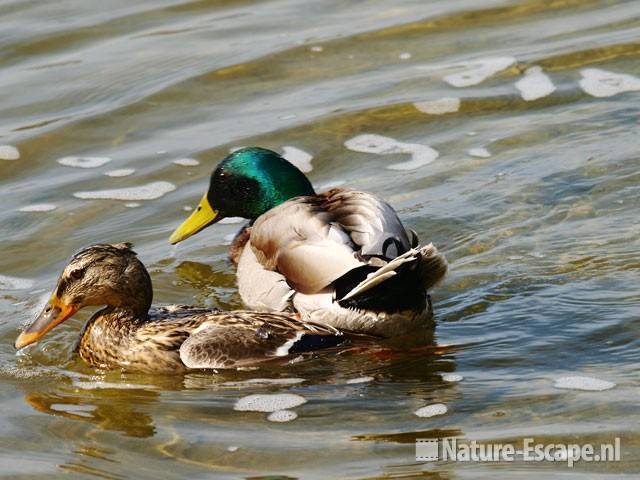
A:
(399, 285)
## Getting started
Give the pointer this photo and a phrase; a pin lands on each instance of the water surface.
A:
(505, 132)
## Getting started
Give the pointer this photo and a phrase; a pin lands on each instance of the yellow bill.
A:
(54, 313)
(203, 216)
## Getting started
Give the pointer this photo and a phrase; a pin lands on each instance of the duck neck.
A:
(114, 319)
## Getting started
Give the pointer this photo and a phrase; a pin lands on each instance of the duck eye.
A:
(76, 274)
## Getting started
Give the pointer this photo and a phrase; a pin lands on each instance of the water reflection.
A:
(106, 411)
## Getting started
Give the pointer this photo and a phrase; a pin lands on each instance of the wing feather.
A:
(314, 240)
(246, 338)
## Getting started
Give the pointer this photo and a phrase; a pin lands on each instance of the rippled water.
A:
(505, 132)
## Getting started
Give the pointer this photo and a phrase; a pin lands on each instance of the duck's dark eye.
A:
(76, 274)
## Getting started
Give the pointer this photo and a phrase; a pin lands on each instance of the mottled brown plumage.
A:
(126, 334)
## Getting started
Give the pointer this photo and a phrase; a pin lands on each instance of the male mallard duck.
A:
(340, 258)
(126, 335)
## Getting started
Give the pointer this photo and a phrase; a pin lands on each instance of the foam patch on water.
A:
(232, 220)
(24, 373)
(535, 84)
(439, 106)
(228, 239)
(298, 157)
(329, 185)
(355, 381)
(317, 48)
(431, 410)
(265, 381)
(84, 162)
(583, 383)
(8, 282)
(187, 162)
(601, 83)
(452, 377)
(80, 410)
(151, 191)
(476, 71)
(421, 155)
(38, 207)
(269, 402)
(122, 172)
(479, 152)
(98, 385)
(282, 416)
(404, 56)
(9, 152)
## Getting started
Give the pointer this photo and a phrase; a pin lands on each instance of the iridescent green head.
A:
(247, 183)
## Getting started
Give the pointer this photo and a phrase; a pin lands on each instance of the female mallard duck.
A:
(340, 258)
(126, 335)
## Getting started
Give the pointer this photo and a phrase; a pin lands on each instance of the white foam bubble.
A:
(476, 71)
(9, 152)
(227, 239)
(479, 152)
(150, 191)
(99, 384)
(289, 116)
(122, 172)
(75, 409)
(601, 83)
(8, 282)
(317, 48)
(232, 220)
(84, 162)
(298, 157)
(232, 448)
(264, 381)
(38, 207)
(421, 155)
(535, 84)
(329, 185)
(452, 377)
(583, 383)
(132, 205)
(282, 416)
(431, 410)
(187, 162)
(372, 143)
(354, 381)
(188, 208)
(268, 402)
(439, 106)
(404, 56)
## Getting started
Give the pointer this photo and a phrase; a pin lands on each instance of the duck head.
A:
(98, 275)
(246, 184)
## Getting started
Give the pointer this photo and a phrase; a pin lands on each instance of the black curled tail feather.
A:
(399, 293)
(405, 288)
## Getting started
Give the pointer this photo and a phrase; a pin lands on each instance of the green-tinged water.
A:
(534, 201)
